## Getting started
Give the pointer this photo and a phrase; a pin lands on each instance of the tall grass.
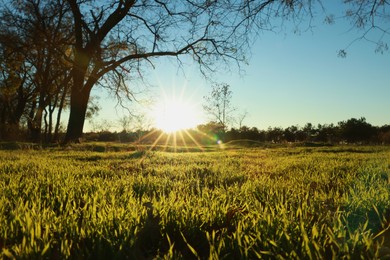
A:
(242, 203)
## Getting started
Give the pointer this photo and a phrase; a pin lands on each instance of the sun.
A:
(172, 115)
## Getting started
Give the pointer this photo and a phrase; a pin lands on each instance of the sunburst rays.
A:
(185, 140)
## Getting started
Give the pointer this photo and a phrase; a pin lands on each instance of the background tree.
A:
(291, 133)
(384, 134)
(356, 130)
(138, 123)
(274, 134)
(327, 133)
(218, 104)
(241, 117)
(34, 36)
(252, 134)
(309, 132)
(15, 89)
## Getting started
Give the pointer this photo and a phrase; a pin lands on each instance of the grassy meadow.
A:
(111, 202)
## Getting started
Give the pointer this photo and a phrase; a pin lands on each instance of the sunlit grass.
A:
(168, 140)
(219, 203)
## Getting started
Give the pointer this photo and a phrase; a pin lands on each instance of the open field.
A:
(289, 202)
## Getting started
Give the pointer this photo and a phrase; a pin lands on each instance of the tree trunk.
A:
(46, 131)
(60, 107)
(78, 109)
(50, 130)
(36, 126)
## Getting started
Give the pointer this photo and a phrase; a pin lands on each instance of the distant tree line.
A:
(351, 131)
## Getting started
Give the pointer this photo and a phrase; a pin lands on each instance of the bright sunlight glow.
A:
(172, 115)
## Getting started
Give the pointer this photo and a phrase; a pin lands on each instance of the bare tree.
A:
(218, 104)
(241, 117)
(114, 40)
(372, 18)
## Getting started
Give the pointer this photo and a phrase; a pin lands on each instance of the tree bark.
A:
(59, 112)
(78, 108)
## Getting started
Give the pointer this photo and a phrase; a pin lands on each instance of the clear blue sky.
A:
(291, 79)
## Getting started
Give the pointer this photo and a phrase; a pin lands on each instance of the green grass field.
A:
(236, 203)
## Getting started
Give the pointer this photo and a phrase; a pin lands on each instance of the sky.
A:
(291, 79)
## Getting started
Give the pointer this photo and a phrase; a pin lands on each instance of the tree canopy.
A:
(114, 40)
